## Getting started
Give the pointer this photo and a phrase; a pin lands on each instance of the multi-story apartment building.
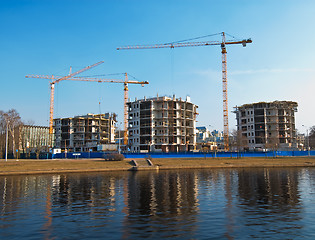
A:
(162, 124)
(268, 125)
(84, 133)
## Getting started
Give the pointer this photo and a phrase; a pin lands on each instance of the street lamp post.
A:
(308, 140)
(119, 138)
(6, 143)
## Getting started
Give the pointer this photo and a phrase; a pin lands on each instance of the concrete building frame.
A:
(268, 125)
(84, 133)
(162, 124)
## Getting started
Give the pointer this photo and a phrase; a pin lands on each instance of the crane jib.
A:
(186, 44)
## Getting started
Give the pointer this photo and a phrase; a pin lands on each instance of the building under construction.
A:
(162, 124)
(84, 133)
(267, 125)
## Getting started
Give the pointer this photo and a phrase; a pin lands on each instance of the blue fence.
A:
(78, 155)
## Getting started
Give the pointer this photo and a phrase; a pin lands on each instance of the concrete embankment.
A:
(13, 167)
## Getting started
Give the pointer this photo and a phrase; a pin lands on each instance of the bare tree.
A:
(10, 120)
(273, 145)
(238, 141)
(2, 135)
(312, 137)
(23, 135)
(29, 122)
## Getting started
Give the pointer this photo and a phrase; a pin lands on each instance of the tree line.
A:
(14, 137)
(239, 142)
(312, 137)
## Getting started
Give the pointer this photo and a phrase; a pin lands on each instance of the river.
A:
(247, 203)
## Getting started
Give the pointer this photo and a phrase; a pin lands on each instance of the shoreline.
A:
(57, 166)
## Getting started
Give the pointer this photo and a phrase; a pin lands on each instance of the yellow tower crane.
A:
(99, 80)
(54, 80)
(223, 44)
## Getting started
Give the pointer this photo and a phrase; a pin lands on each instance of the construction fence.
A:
(269, 154)
(129, 155)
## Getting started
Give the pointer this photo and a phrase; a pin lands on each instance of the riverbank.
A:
(13, 167)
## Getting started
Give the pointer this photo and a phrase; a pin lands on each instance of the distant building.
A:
(162, 124)
(34, 138)
(268, 125)
(212, 140)
(204, 135)
(84, 133)
(27, 139)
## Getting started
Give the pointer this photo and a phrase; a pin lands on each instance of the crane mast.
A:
(223, 44)
(51, 107)
(225, 96)
(126, 110)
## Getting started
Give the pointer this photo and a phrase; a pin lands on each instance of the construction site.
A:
(167, 124)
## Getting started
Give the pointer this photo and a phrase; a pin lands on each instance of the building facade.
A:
(26, 139)
(34, 138)
(268, 125)
(84, 133)
(162, 124)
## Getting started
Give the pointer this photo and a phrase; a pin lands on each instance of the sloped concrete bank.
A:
(22, 167)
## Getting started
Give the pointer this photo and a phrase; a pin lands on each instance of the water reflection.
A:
(270, 201)
(187, 204)
(160, 201)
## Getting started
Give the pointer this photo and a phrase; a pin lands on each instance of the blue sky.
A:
(47, 37)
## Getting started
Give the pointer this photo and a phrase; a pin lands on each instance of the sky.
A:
(48, 37)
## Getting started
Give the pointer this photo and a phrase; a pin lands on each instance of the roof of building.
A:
(91, 115)
(162, 98)
(274, 104)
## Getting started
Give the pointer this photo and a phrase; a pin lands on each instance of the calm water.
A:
(194, 204)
